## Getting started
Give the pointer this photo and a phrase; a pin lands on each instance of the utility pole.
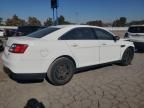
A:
(54, 6)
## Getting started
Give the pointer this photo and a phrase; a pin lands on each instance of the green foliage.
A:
(120, 22)
(61, 21)
(1, 19)
(33, 21)
(95, 23)
(48, 22)
(141, 22)
(15, 21)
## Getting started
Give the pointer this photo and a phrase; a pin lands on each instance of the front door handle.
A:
(104, 44)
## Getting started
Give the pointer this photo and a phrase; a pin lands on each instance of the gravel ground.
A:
(111, 86)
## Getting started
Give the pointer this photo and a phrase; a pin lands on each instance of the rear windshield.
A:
(43, 32)
(28, 29)
(136, 29)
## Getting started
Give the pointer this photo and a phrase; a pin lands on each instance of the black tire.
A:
(61, 71)
(127, 57)
(1, 46)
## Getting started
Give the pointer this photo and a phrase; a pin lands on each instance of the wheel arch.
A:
(131, 47)
(69, 57)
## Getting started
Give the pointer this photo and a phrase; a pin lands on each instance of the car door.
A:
(84, 46)
(109, 48)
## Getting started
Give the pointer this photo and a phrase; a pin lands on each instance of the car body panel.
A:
(109, 50)
(82, 49)
(42, 52)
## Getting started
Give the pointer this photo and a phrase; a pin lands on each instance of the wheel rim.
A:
(62, 71)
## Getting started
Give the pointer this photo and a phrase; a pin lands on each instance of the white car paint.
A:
(136, 37)
(41, 52)
(1, 33)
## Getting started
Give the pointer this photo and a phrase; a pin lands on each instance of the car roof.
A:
(73, 26)
(137, 26)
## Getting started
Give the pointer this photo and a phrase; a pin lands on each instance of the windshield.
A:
(136, 29)
(43, 32)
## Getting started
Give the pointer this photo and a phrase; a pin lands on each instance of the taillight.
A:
(18, 48)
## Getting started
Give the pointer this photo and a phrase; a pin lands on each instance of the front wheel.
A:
(127, 57)
(61, 71)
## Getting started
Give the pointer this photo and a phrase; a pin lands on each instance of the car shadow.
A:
(78, 71)
(8, 72)
(138, 51)
(90, 68)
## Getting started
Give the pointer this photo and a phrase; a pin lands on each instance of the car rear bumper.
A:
(24, 76)
(22, 66)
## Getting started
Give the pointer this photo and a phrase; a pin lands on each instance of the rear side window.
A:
(43, 32)
(103, 35)
(79, 34)
(136, 29)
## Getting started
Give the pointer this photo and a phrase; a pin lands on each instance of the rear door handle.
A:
(75, 45)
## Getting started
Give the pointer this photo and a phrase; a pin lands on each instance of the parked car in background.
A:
(1, 33)
(56, 52)
(9, 32)
(25, 30)
(135, 34)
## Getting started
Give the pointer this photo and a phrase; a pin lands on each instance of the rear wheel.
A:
(61, 71)
(127, 57)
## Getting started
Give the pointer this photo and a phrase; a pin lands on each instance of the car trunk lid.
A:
(19, 40)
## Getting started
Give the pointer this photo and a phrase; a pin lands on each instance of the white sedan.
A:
(57, 51)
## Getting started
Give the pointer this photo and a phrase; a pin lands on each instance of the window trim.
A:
(105, 32)
(79, 28)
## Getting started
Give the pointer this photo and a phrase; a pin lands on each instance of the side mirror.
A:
(116, 38)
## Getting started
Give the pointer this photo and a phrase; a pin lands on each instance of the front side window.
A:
(103, 35)
(79, 34)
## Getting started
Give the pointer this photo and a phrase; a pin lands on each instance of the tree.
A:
(61, 20)
(123, 21)
(1, 19)
(48, 22)
(141, 22)
(33, 21)
(15, 21)
(120, 22)
(95, 23)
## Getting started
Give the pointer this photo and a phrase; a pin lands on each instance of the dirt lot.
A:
(110, 86)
